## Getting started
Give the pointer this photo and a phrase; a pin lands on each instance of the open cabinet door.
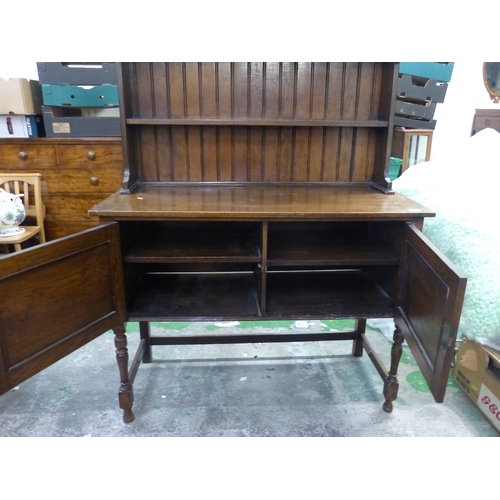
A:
(55, 298)
(429, 304)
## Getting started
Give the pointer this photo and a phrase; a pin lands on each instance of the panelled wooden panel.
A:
(256, 90)
(57, 229)
(256, 154)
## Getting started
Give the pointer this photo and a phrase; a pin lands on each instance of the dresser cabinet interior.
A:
(229, 270)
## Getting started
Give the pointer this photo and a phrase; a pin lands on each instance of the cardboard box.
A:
(21, 126)
(20, 96)
(477, 372)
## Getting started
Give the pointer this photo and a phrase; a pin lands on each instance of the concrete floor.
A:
(294, 390)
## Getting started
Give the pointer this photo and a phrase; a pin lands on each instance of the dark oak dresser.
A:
(250, 191)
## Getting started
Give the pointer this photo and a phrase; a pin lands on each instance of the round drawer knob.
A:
(91, 155)
(22, 155)
(94, 181)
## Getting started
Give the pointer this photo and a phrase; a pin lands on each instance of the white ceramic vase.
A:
(12, 213)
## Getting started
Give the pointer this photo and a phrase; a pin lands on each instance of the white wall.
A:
(466, 93)
(18, 69)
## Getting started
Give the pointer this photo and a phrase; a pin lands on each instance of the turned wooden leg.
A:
(357, 344)
(391, 384)
(126, 393)
(146, 336)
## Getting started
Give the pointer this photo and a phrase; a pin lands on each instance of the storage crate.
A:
(421, 86)
(81, 122)
(80, 96)
(435, 70)
(421, 89)
(77, 73)
(416, 101)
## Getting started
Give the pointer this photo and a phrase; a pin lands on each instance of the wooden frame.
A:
(491, 81)
(401, 145)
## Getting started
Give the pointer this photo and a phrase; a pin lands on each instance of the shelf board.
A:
(175, 297)
(194, 245)
(326, 294)
(327, 248)
(233, 296)
(257, 122)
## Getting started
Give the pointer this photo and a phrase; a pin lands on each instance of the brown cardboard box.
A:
(20, 96)
(477, 372)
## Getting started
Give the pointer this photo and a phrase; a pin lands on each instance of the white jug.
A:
(12, 213)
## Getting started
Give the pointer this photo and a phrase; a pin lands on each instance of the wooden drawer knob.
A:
(94, 181)
(91, 155)
(22, 155)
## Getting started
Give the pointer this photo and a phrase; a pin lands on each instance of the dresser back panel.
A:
(288, 91)
(257, 122)
(255, 154)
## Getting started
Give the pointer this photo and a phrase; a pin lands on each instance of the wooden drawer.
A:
(27, 157)
(95, 155)
(86, 179)
(71, 207)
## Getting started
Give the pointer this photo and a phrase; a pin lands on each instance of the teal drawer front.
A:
(80, 96)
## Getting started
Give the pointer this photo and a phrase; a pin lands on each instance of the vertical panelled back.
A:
(272, 91)
(257, 122)
(255, 154)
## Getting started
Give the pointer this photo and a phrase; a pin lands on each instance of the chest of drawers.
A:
(76, 174)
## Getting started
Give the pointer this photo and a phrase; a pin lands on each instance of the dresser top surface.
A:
(259, 202)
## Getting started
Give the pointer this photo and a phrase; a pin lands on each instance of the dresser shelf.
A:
(256, 122)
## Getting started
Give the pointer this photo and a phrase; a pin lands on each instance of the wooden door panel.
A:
(56, 297)
(429, 305)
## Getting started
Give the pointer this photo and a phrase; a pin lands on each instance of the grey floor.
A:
(280, 390)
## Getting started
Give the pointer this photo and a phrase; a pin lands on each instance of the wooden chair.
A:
(29, 185)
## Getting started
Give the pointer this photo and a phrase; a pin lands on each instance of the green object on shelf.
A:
(394, 168)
